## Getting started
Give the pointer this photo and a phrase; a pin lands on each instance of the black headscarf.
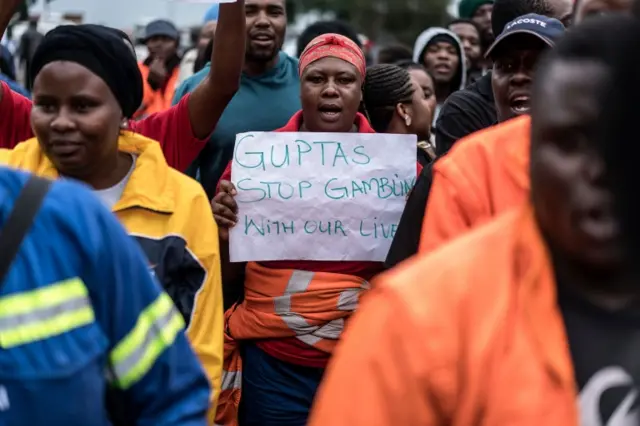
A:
(104, 51)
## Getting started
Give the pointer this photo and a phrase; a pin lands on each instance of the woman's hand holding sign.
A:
(225, 209)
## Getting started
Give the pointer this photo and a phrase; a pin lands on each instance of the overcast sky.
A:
(126, 13)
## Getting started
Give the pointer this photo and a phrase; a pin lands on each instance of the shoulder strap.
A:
(20, 220)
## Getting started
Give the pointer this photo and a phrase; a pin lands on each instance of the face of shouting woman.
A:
(330, 92)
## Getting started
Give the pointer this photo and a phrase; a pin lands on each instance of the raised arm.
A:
(213, 94)
(183, 129)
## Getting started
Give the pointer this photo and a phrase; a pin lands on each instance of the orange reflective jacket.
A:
(156, 100)
(480, 342)
(311, 306)
(483, 175)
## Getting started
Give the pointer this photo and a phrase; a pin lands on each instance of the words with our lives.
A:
(374, 229)
(323, 157)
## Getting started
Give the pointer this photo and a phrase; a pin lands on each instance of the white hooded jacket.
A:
(418, 52)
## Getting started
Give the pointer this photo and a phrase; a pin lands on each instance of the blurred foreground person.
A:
(619, 127)
(77, 300)
(543, 327)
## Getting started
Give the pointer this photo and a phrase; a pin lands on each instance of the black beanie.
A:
(104, 51)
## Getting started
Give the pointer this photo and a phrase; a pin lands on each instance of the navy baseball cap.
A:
(161, 27)
(544, 28)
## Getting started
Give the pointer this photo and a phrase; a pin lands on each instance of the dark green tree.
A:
(23, 10)
(404, 19)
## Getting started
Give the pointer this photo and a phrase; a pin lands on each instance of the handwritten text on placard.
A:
(319, 196)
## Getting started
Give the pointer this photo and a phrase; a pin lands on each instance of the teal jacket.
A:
(262, 103)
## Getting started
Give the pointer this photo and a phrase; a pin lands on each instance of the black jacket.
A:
(405, 242)
(465, 112)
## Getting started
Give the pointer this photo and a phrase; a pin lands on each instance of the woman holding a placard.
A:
(282, 361)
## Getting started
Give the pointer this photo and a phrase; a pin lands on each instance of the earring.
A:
(125, 124)
(407, 120)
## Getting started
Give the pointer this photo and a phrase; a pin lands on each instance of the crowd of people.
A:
(508, 296)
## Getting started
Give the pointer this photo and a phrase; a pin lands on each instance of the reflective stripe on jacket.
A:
(311, 306)
(170, 216)
(79, 302)
(44, 312)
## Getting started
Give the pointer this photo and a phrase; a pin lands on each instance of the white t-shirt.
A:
(110, 196)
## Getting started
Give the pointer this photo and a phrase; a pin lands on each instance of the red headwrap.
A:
(336, 46)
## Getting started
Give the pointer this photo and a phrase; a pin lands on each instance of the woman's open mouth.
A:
(330, 113)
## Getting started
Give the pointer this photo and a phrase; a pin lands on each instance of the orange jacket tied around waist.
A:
(311, 306)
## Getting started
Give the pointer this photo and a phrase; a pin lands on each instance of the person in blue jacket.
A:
(81, 314)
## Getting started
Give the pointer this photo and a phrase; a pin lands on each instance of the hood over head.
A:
(460, 78)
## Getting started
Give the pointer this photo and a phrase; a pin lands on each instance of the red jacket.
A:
(171, 128)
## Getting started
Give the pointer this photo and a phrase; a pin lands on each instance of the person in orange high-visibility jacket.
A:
(161, 69)
(484, 174)
(531, 319)
(456, 346)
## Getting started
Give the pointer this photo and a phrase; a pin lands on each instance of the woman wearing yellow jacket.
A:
(86, 85)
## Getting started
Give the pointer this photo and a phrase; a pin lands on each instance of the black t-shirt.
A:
(465, 112)
(405, 242)
(605, 349)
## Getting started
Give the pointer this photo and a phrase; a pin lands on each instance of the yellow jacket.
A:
(170, 216)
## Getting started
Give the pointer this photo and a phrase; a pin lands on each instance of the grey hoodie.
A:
(418, 52)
